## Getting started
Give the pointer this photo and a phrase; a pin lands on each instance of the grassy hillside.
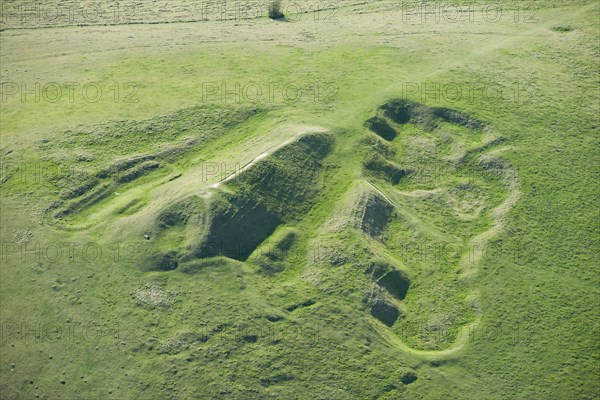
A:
(366, 200)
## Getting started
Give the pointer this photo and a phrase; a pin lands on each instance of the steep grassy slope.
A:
(274, 191)
(375, 236)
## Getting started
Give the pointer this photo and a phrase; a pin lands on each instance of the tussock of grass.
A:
(562, 28)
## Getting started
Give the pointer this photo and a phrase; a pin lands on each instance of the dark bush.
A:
(381, 127)
(275, 10)
(385, 312)
(408, 377)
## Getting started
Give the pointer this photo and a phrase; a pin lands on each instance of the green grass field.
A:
(364, 200)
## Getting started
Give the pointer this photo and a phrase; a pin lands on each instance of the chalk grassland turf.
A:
(400, 241)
